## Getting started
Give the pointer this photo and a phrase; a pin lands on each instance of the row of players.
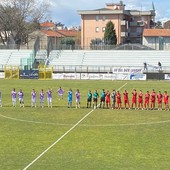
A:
(139, 100)
(49, 92)
(107, 99)
(20, 95)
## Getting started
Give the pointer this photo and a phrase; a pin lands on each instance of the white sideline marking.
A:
(62, 136)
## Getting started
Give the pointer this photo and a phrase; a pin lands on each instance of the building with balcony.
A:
(129, 24)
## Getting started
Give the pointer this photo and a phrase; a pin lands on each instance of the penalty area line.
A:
(74, 126)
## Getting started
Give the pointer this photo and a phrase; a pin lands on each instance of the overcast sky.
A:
(65, 11)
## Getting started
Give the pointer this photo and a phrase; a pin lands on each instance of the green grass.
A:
(105, 140)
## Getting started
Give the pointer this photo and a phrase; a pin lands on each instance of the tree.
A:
(96, 41)
(158, 25)
(18, 18)
(68, 42)
(110, 34)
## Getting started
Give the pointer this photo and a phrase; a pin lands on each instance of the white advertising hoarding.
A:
(99, 76)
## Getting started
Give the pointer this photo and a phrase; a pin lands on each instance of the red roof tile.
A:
(69, 33)
(156, 32)
(47, 24)
(51, 33)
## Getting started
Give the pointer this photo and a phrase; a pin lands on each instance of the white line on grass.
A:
(87, 125)
(58, 140)
(122, 86)
(62, 136)
(35, 122)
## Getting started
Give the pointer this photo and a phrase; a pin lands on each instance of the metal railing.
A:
(127, 46)
(104, 47)
(103, 69)
(107, 69)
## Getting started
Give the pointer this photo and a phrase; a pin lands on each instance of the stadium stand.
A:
(87, 60)
(41, 55)
(71, 60)
(15, 58)
(4, 56)
(108, 58)
(17, 55)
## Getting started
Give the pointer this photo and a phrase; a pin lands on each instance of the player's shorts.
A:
(166, 102)
(119, 101)
(107, 100)
(69, 99)
(49, 100)
(94, 99)
(140, 101)
(21, 100)
(60, 95)
(102, 99)
(159, 101)
(126, 101)
(14, 100)
(42, 100)
(152, 100)
(133, 100)
(33, 100)
(146, 101)
(89, 100)
(77, 100)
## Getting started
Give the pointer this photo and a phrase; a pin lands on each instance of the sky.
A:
(65, 11)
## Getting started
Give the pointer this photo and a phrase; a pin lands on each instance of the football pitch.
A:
(62, 138)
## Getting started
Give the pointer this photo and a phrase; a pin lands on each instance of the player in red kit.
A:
(146, 104)
(107, 98)
(140, 100)
(153, 99)
(134, 98)
(126, 99)
(159, 97)
(166, 100)
(119, 101)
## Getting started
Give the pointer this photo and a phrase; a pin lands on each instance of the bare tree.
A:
(18, 18)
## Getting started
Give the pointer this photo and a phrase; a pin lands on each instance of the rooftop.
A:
(60, 33)
(156, 32)
(47, 24)
(51, 33)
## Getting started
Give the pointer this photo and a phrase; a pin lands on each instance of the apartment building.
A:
(129, 24)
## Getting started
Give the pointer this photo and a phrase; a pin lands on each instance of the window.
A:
(104, 18)
(97, 17)
(139, 30)
(97, 29)
(143, 18)
(103, 29)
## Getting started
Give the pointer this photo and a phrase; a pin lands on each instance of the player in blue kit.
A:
(70, 98)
